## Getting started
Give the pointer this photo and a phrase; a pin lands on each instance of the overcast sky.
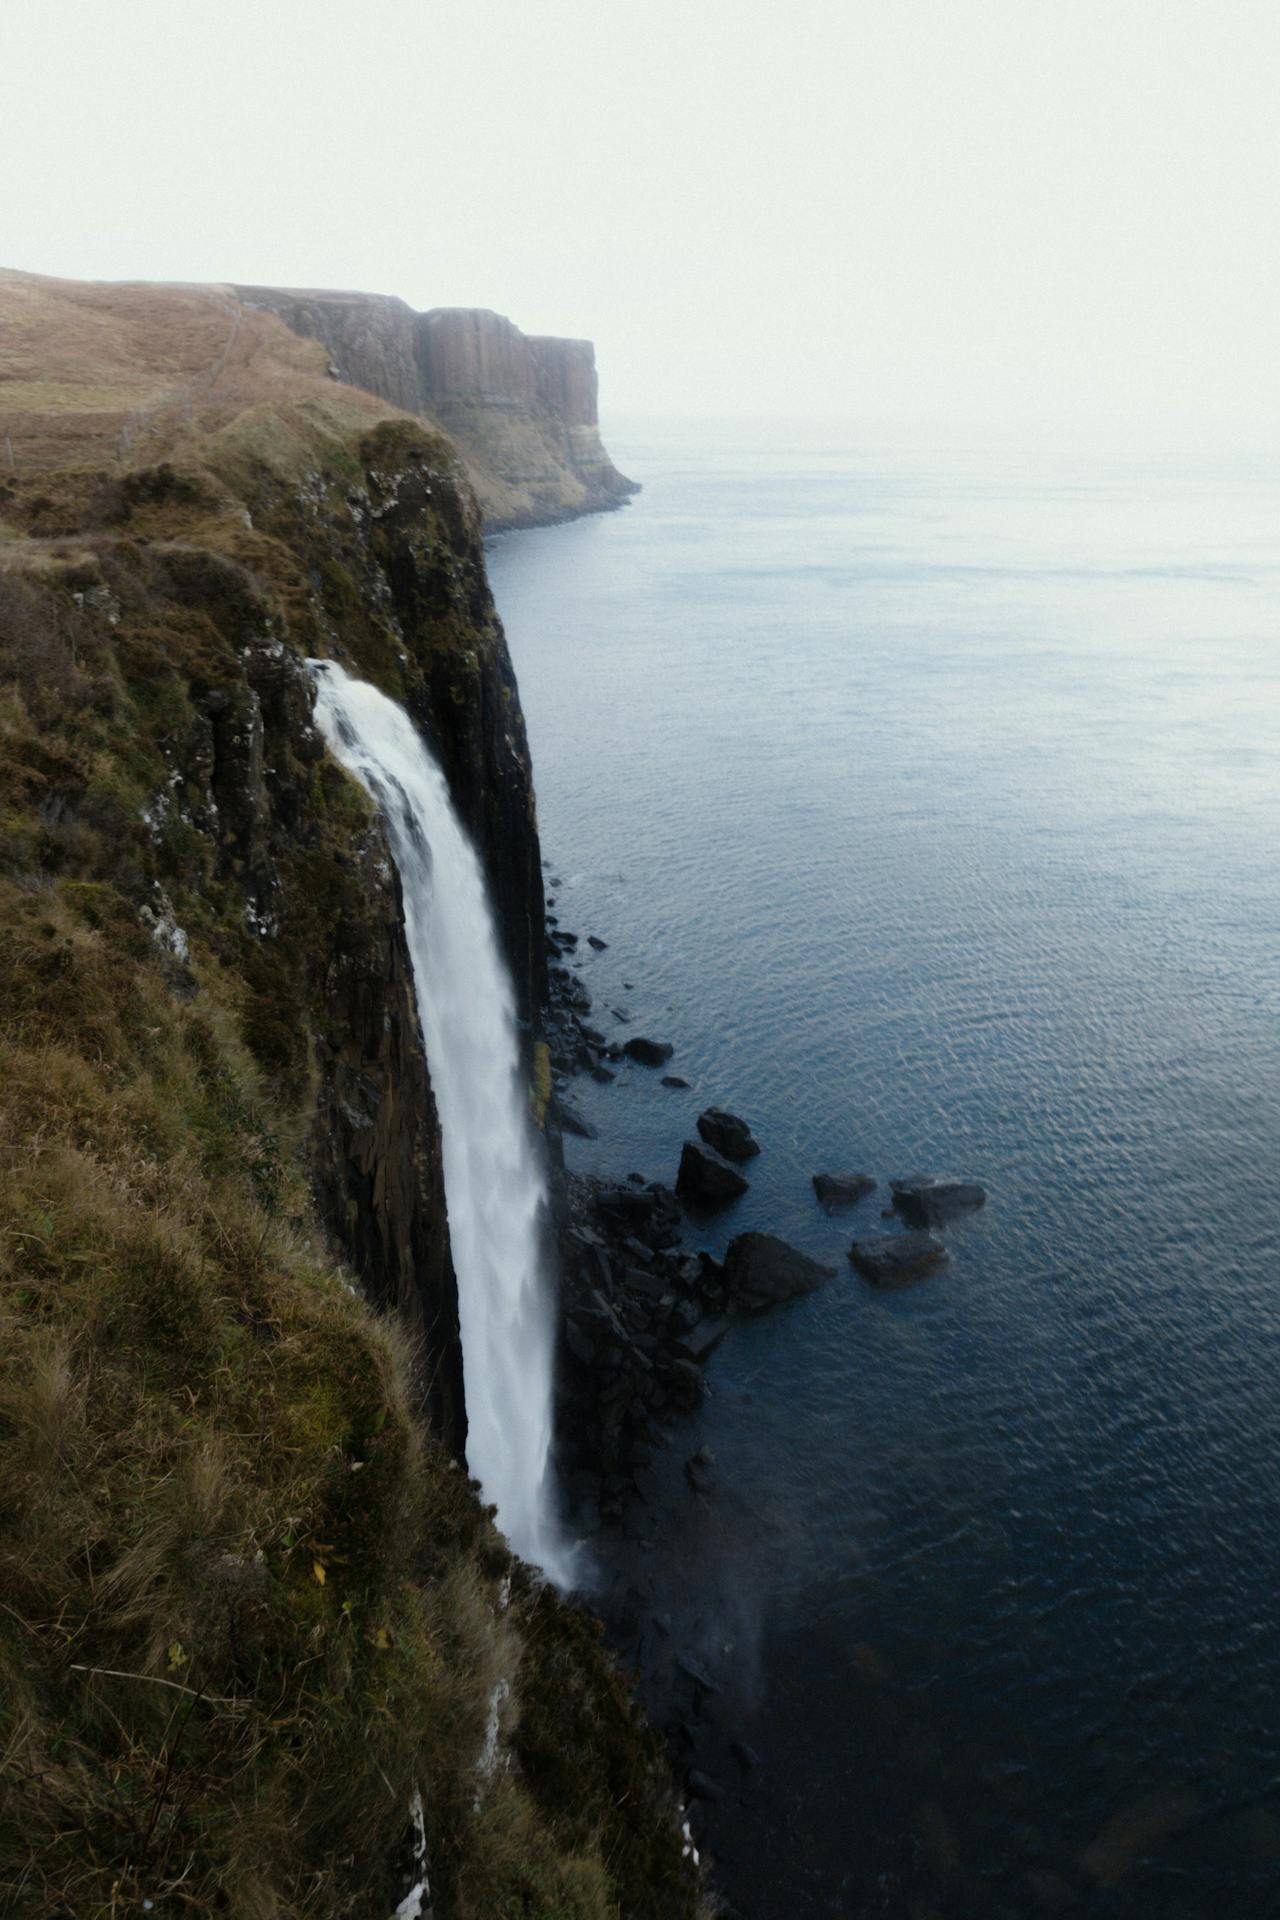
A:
(765, 206)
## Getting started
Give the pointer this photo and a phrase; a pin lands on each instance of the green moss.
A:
(540, 1091)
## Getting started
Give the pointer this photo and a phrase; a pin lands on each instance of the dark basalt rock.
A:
(926, 1200)
(705, 1336)
(760, 1270)
(594, 940)
(700, 1470)
(893, 1259)
(706, 1178)
(649, 1053)
(571, 1121)
(841, 1189)
(674, 1080)
(649, 1213)
(728, 1134)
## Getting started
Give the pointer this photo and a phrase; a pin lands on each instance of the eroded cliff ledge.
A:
(521, 409)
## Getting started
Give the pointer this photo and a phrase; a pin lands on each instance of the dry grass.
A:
(96, 373)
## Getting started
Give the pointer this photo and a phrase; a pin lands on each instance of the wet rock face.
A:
(376, 1147)
(469, 353)
(835, 1190)
(705, 1179)
(469, 711)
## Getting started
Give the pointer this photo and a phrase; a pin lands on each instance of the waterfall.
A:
(493, 1178)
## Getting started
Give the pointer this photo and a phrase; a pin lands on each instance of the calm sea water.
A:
(929, 799)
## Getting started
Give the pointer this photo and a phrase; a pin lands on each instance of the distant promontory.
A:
(520, 408)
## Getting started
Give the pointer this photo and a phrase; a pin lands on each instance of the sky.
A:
(770, 208)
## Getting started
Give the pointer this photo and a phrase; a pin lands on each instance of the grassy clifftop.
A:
(250, 1605)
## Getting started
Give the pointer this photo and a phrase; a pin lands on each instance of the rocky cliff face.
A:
(521, 410)
(218, 1486)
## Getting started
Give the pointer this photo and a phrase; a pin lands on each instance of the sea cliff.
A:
(521, 410)
(261, 1641)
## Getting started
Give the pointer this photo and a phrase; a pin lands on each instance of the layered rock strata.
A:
(522, 410)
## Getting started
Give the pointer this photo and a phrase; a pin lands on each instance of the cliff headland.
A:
(520, 410)
(261, 1641)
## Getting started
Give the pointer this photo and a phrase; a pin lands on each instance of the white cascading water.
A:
(494, 1184)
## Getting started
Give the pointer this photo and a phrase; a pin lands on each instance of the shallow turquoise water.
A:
(930, 800)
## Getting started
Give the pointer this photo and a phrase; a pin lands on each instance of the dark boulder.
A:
(650, 1053)
(571, 1121)
(702, 1339)
(684, 1378)
(650, 1214)
(705, 1178)
(760, 1270)
(926, 1200)
(594, 940)
(727, 1134)
(841, 1189)
(685, 1664)
(892, 1259)
(674, 1080)
(700, 1470)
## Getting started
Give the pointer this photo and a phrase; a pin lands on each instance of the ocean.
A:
(927, 794)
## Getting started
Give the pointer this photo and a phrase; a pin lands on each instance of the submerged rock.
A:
(727, 1134)
(674, 1080)
(649, 1053)
(760, 1270)
(892, 1259)
(571, 1121)
(594, 940)
(700, 1470)
(841, 1189)
(926, 1200)
(706, 1178)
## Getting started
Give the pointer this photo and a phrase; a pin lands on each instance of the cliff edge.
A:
(521, 409)
(262, 1651)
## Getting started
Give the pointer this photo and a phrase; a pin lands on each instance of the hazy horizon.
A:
(978, 209)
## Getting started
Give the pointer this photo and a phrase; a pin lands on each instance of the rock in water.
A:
(650, 1053)
(727, 1134)
(650, 1213)
(571, 1121)
(841, 1189)
(892, 1259)
(674, 1080)
(760, 1270)
(700, 1471)
(926, 1200)
(706, 1178)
